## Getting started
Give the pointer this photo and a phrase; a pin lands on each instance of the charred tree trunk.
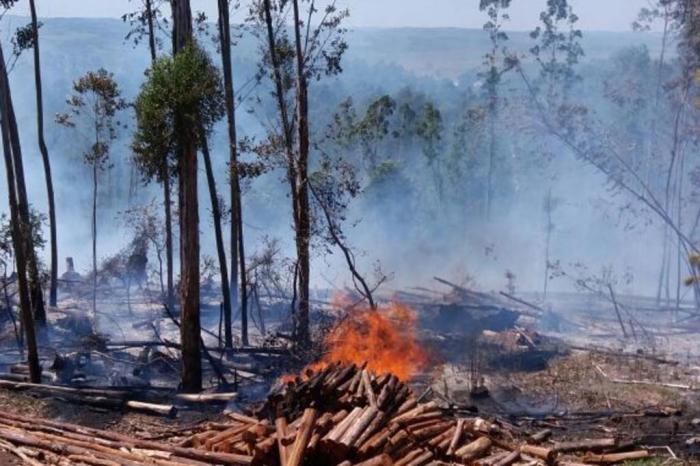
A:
(189, 224)
(219, 237)
(21, 229)
(303, 233)
(237, 244)
(53, 287)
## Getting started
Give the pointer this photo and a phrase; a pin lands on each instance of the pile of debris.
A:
(345, 415)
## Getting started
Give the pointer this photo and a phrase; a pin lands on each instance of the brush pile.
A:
(346, 415)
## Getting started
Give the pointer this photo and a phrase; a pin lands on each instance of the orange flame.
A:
(384, 338)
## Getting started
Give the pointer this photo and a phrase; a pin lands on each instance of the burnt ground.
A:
(576, 397)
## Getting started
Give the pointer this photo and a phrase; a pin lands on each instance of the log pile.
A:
(346, 415)
(40, 442)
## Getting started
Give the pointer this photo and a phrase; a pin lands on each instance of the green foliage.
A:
(558, 49)
(6, 246)
(430, 129)
(180, 95)
(93, 108)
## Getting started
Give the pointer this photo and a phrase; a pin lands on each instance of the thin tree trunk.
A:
(165, 178)
(167, 204)
(218, 234)
(35, 291)
(190, 328)
(237, 243)
(303, 233)
(287, 137)
(53, 287)
(492, 150)
(21, 230)
(94, 240)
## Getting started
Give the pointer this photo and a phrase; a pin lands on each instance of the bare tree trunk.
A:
(165, 178)
(190, 328)
(53, 287)
(287, 138)
(21, 229)
(94, 240)
(492, 149)
(237, 244)
(303, 233)
(36, 293)
(218, 235)
(167, 204)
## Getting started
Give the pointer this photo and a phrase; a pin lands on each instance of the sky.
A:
(596, 15)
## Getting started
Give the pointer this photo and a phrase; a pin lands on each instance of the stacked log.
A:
(43, 442)
(346, 415)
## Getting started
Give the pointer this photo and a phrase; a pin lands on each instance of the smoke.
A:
(402, 223)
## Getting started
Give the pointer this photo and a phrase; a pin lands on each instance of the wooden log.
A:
(296, 454)
(421, 459)
(206, 397)
(152, 408)
(431, 430)
(379, 460)
(444, 437)
(610, 458)
(474, 450)
(541, 435)
(417, 411)
(281, 429)
(222, 436)
(352, 434)
(410, 456)
(547, 454)
(337, 432)
(456, 437)
(386, 392)
(509, 459)
(585, 444)
(373, 427)
(369, 392)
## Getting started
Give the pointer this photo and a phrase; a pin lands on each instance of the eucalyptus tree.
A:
(237, 246)
(497, 62)
(176, 109)
(315, 50)
(94, 109)
(23, 41)
(22, 233)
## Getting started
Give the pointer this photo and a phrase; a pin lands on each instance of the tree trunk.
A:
(237, 244)
(35, 291)
(167, 204)
(303, 233)
(21, 230)
(189, 225)
(287, 138)
(492, 149)
(53, 287)
(218, 234)
(165, 178)
(94, 240)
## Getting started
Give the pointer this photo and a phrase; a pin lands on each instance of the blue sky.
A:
(600, 15)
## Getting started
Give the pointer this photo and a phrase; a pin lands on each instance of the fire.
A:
(384, 338)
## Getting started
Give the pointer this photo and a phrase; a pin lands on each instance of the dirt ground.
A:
(581, 394)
